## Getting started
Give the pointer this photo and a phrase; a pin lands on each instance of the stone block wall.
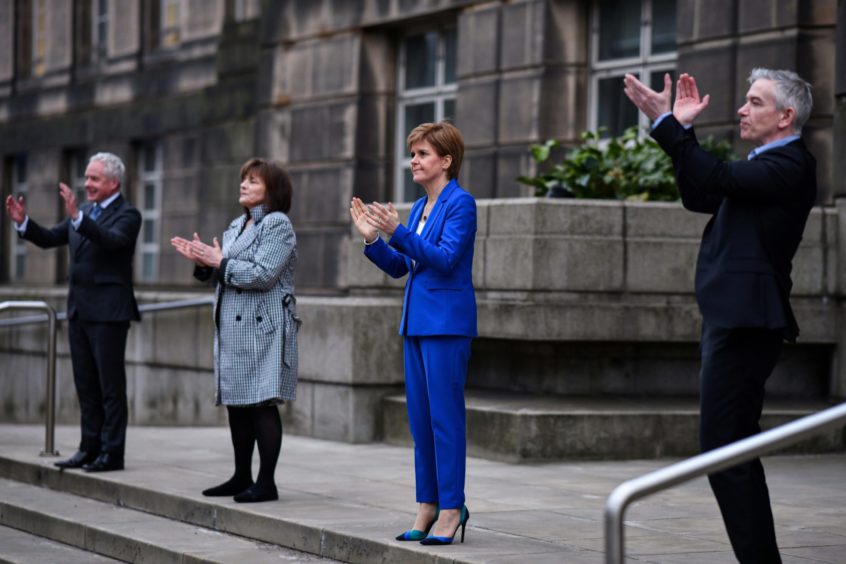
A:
(566, 306)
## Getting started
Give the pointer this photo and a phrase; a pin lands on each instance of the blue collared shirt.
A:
(772, 145)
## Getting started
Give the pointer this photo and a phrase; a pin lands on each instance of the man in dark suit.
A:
(101, 238)
(758, 208)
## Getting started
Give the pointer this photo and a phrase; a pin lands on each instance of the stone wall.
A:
(575, 298)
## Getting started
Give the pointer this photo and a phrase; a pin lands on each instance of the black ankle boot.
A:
(228, 488)
(256, 493)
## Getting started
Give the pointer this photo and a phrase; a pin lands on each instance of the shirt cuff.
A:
(662, 117)
(22, 227)
(366, 244)
(77, 222)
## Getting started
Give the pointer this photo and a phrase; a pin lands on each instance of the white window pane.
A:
(148, 268)
(449, 110)
(20, 266)
(616, 112)
(450, 49)
(150, 157)
(149, 231)
(415, 114)
(420, 58)
(619, 29)
(656, 79)
(663, 26)
(149, 196)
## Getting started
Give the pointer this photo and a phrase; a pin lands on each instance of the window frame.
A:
(99, 44)
(642, 65)
(151, 216)
(38, 60)
(440, 93)
(169, 33)
(17, 254)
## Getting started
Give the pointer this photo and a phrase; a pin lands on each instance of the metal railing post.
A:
(707, 463)
(52, 323)
(50, 400)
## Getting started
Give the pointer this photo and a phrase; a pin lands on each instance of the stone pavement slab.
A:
(348, 501)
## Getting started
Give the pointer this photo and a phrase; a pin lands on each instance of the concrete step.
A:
(20, 547)
(340, 524)
(131, 536)
(514, 427)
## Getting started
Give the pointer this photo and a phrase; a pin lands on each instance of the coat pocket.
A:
(264, 321)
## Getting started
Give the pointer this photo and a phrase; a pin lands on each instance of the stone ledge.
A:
(514, 427)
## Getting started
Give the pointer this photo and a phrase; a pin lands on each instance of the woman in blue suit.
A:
(438, 320)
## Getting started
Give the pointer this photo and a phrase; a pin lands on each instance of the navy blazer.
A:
(101, 254)
(759, 210)
(439, 296)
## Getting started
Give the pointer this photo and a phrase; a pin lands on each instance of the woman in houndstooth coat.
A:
(255, 343)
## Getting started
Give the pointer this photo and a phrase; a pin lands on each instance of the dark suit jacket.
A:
(759, 210)
(100, 261)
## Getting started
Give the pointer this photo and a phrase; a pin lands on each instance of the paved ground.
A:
(520, 513)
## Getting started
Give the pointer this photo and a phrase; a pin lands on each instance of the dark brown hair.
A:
(276, 182)
(445, 138)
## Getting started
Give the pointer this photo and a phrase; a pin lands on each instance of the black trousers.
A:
(735, 366)
(98, 352)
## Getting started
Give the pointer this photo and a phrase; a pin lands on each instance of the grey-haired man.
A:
(758, 210)
(101, 236)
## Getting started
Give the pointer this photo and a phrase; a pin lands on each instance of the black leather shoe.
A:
(78, 460)
(255, 494)
(105, 462)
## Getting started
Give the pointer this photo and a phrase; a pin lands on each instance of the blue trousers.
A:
(435, 372)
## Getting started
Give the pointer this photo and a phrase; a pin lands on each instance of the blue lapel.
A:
(438, 209)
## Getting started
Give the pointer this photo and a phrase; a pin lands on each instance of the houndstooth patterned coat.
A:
(255, 343)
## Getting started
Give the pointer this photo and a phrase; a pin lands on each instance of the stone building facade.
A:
(576, 298)
(186, 90)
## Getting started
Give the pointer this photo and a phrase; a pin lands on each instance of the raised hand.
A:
(70, 200)
(184, 248)
(688, 104)
(650, 102)
(358, 212)
(16, 209)
(382, 217)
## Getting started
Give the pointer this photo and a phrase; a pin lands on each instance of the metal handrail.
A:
(144, 308)
(707, 463)
(52, 318)
(50, 415)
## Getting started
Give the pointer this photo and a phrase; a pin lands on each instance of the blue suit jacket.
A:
(439, 296)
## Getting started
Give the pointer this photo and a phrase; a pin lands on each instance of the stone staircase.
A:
(521, 427)
(97, 531)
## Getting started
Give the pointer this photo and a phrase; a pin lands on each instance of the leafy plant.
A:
(624, 168)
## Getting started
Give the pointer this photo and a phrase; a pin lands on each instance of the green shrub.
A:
(622, 168)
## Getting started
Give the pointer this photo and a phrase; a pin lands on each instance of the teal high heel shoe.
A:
(462, 523)
(416, 535)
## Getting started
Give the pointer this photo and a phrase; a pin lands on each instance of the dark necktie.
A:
(96, 210)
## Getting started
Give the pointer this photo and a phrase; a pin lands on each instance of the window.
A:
(425, 93)
(100, 29)
(628, 36)
(169, 23)
(77, 163)
(39, 37)
(17, 266)
(245, 10)
(149, 204)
